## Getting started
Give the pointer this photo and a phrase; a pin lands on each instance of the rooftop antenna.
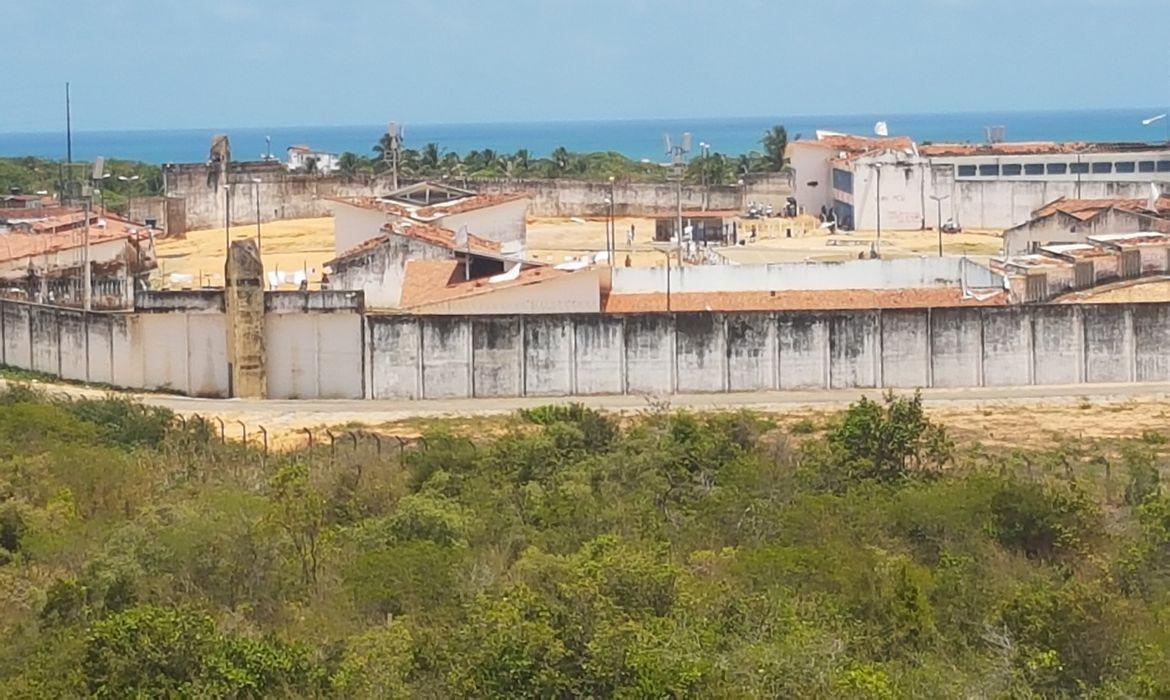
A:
(395, 132)
(995, 134)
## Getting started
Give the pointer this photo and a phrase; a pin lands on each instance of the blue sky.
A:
(231, 63)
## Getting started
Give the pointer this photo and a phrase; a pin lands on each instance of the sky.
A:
(162, 64)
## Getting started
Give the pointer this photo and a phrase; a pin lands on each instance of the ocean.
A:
(637, 139)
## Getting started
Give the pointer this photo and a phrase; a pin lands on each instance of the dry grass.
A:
(287, 245)
(553, 240)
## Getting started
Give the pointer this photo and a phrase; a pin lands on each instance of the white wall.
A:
(579, 292)
(354, 225)
(897, 273)
(811, 164)
(310, 356)
(502, 223)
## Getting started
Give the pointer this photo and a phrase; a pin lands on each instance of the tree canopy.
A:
(563, 552)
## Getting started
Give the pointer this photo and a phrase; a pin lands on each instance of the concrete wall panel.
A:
(804, 350)
(1108, 344)
(1007, 347)
(446, 351)
(290, 343)
(752, 357)
(1058, 342)
(853, 339)
(73, 342)
(44, 330)
(496, 356)
(164, 351)
(1151, 326)
(702, 353)
(599, 357)
(394, 357)
(207, 359)
(101, 361)
(339, 340)
(956, 351)
(129, 366)
(548, 358)
(905, 348)
(649, 353)
(17, 341)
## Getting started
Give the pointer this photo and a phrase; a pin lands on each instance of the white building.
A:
(301, 157)
(499, 218)
(978, 186)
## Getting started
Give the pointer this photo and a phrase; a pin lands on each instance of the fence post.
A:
(264, 434)
(243, 431)
(222, 431)
(309, 432)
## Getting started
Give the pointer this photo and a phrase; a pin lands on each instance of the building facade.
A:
(855, 180)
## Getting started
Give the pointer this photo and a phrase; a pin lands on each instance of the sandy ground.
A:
(286, 246)
(555, 240)
(308, 243)
(1156, 289)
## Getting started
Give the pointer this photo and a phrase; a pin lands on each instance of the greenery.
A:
(569, 553)
(33, 175)
(432, 161)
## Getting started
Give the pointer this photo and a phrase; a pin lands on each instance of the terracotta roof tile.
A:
(807, 300)
(459, 206)
(427, 233)
(428, 282)
(856, 145)
(16, 245)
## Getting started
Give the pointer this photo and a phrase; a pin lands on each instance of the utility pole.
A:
(68, 129)
(256, 187)
(611, 236)
(878, 168)
(86, 291)
(227, 217)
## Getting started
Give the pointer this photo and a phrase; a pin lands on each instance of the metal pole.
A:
(86, 290)
(227, 218)
(611, 240)
(259, 247)
(678, 203)
(939, 202)
(668, 281)
(879, 210)
(68, 128)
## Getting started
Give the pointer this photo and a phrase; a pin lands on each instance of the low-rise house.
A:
(304, 158)
(377, 266)
(1075, 220)
(500, 218)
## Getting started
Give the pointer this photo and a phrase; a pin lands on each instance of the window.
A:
(991, 170)
(1078, 168)
(1146, 166)
(1033, 168)
(1102, 168)
(1124, 166)
(842, 180)
(1012, 169)
(1057, 168)
(966, 171)
(1164, 166)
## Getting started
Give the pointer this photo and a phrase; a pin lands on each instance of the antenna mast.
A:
(68, 129)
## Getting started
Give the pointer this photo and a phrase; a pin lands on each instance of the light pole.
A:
(227, 220)
(256, 189)
(129, 193)
(938, 199)
(878, 169)
(667, 253)
(611, 237)
(705, 150)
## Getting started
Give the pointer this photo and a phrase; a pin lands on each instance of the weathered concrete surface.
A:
(244, 305)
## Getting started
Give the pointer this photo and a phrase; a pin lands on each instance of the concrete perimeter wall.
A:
(412, 357)
(287, 195)
(343, 354)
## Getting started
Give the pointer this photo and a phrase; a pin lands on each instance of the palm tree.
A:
(349, 163)
(430, 157)
(775, 143)
(561, 159)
